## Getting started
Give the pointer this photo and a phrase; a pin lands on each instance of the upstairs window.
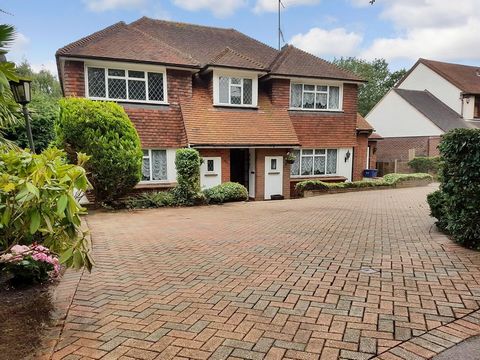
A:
(235, 90)
(126, 85)
(314, 162)
(315, 97)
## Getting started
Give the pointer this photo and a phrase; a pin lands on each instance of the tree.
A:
(43, 81)
(380, 79)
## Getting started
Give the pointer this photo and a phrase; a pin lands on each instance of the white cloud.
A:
(272, 5)
(18, 49)
(327, 43)
(49, 65)
(220, 8)
(437, 29)
(105, 5)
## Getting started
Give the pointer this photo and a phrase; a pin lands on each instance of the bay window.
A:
(154, 165)
(314, 162)
(126, 85)
(315, 97)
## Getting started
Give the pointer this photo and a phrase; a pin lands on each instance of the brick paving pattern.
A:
(351, 276)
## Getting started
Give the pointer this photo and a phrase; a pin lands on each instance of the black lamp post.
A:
(23, 95)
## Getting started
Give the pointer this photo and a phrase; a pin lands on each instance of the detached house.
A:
(433, 98)
(242, 104)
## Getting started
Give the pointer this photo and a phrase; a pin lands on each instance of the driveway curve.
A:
(354, 276)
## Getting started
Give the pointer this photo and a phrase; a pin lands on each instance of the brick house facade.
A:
(245, 142)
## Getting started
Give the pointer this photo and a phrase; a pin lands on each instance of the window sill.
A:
(155, 184)
(316, 110)
(314, 176)
(122, 101)
(226, 106)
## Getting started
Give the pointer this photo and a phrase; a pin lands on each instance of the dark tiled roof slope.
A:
(166, 42)
(363, 124)
(434, 109)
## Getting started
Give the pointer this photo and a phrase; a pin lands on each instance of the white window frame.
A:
(145, 68)
(313, 155)
(149, 156)
(235, 74)
(328, 84)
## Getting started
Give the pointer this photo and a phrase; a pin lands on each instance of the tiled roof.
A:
(363, 124)
(206, 124)
(466, 78)
(434, 109)
(173, 43)
(295, 62)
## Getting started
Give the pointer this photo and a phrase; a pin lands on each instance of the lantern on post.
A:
(22, 93)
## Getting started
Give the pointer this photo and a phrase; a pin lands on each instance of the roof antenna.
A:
(280, 33)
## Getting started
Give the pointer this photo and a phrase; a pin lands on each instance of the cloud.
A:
(49, 65)
(441, 30)
(220, 8)
(19, 47)
(327, 43)
(272, 5)
(105, 5)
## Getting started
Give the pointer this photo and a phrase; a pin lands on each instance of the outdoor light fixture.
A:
(22, 94)
(347, 155)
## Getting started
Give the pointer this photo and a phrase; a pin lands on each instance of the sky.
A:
(399, 31)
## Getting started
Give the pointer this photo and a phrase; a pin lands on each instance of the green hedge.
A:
(387, 180)
(425, 164)
(103, 131)
(460, 187)
(226, 192)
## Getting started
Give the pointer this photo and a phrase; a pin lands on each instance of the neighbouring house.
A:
(241, 103)
(433, 98)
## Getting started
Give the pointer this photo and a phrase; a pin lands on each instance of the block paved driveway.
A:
(275, 280)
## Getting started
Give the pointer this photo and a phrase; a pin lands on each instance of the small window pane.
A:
(223, 84)
(146, 168)
(334, 97)
(322, 88)
(273, 164)
(235, 95)
(320, 152)
(136, 90)
(296, 96)
(159, 165)
(96, 82)
(236, 81)
(321, 101)
(307, 165)
(155, 87)
(117, 89)
(307, 152)
(116, 72)
(247, 91)
(295, 167)
(136, 74)
(309, 87)
(308, 100)
(210, 165)
(319, 165)
(331, 161)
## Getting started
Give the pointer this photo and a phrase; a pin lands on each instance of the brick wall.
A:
(391, 149)
(224, 154)
(260, 172)
(360, 157)
(74, 79)
(373, 154)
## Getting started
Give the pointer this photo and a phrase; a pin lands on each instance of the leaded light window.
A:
(235, 90)
(314, 162)
(126, 85)
(154, 166)
(314, 97)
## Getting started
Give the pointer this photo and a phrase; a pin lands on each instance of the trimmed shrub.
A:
(438, 208)
(391, 179)
(103, 131)
(151, 199)
(425, 164)
(187, 192)
(460, 152)
(226, 192)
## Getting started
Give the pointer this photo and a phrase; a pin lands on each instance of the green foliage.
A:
(425, 164)
(438, 208)
(226, 192)
(187, 192)
(387, 180)
(44, 112)
(103, 131)
(380, 80)
(43, 82)
(37, 204)
(150, 199)
(460, 152)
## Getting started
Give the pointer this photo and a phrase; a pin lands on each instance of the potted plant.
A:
(290, 158)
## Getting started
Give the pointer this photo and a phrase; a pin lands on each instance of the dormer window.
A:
(320, 97)
(235, 89)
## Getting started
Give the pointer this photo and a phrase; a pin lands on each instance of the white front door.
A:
(273, 176)
(251, 173)
(211, 172)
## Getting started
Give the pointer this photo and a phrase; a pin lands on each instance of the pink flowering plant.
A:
(30, 264)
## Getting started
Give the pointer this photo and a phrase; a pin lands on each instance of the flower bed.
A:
(310, 188)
